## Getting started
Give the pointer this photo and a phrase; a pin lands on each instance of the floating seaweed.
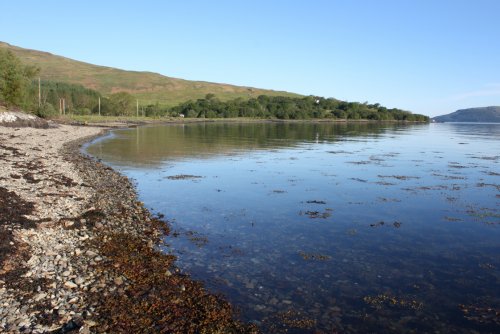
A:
(395, 200)
(183, 177)
(196, 238)
(481, 314)
(317, 214)
(385, 300)
(485, 215)
(384, 183)
(381, 223)
(449, 177)
(489, 158)
(316, 202)
(456, 165)
(482, 184)
(364, 162)
(452, 219)
(339, 152)
(316, 257)
(399, 177)
(396, 224)
(358, 179)
(486, 266)
(288, 322)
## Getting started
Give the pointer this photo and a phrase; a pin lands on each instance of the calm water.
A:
(330, 227)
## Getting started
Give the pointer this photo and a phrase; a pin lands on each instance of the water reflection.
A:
(155, 144)
(330, 227)
(486, 131)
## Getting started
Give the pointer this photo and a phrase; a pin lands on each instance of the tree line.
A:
(80, 100)
(281, 107)
(19, 88)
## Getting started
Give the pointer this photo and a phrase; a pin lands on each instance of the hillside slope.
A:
(484, 114)
(147, 86)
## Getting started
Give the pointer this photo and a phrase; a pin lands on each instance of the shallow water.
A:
(329, 227)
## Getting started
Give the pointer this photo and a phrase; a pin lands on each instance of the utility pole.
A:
(99, 106)
(137, 108)
(39, 94)
(61, 106)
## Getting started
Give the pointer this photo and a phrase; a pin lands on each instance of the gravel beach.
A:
(78, 252)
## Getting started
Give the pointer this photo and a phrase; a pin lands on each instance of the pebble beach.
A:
(78, 251)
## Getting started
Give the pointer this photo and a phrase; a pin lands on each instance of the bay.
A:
(329, 227)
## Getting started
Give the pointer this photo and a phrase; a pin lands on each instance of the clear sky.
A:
(426, 56)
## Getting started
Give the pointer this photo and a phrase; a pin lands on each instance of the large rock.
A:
(21, 119)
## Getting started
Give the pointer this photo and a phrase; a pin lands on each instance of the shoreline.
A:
(82, 252)
(142, 121)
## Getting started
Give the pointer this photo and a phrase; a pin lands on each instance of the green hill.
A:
(147, 86)
(485, 114)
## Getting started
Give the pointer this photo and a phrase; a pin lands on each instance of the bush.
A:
(46, 110)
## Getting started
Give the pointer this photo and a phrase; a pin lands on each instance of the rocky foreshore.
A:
(79, 253)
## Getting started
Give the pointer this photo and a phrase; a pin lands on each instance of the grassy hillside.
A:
(147, 86)
(484, 114)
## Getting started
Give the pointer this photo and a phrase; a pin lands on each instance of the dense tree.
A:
(281, 107)
(15, 79)
(122, 104)
(78, 99)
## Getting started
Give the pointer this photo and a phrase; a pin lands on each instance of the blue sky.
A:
(431, 57)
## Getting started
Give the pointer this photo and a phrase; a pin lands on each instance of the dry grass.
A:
(147, 86)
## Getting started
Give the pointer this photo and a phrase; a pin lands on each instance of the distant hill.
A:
(146, 86)
(485, 114)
